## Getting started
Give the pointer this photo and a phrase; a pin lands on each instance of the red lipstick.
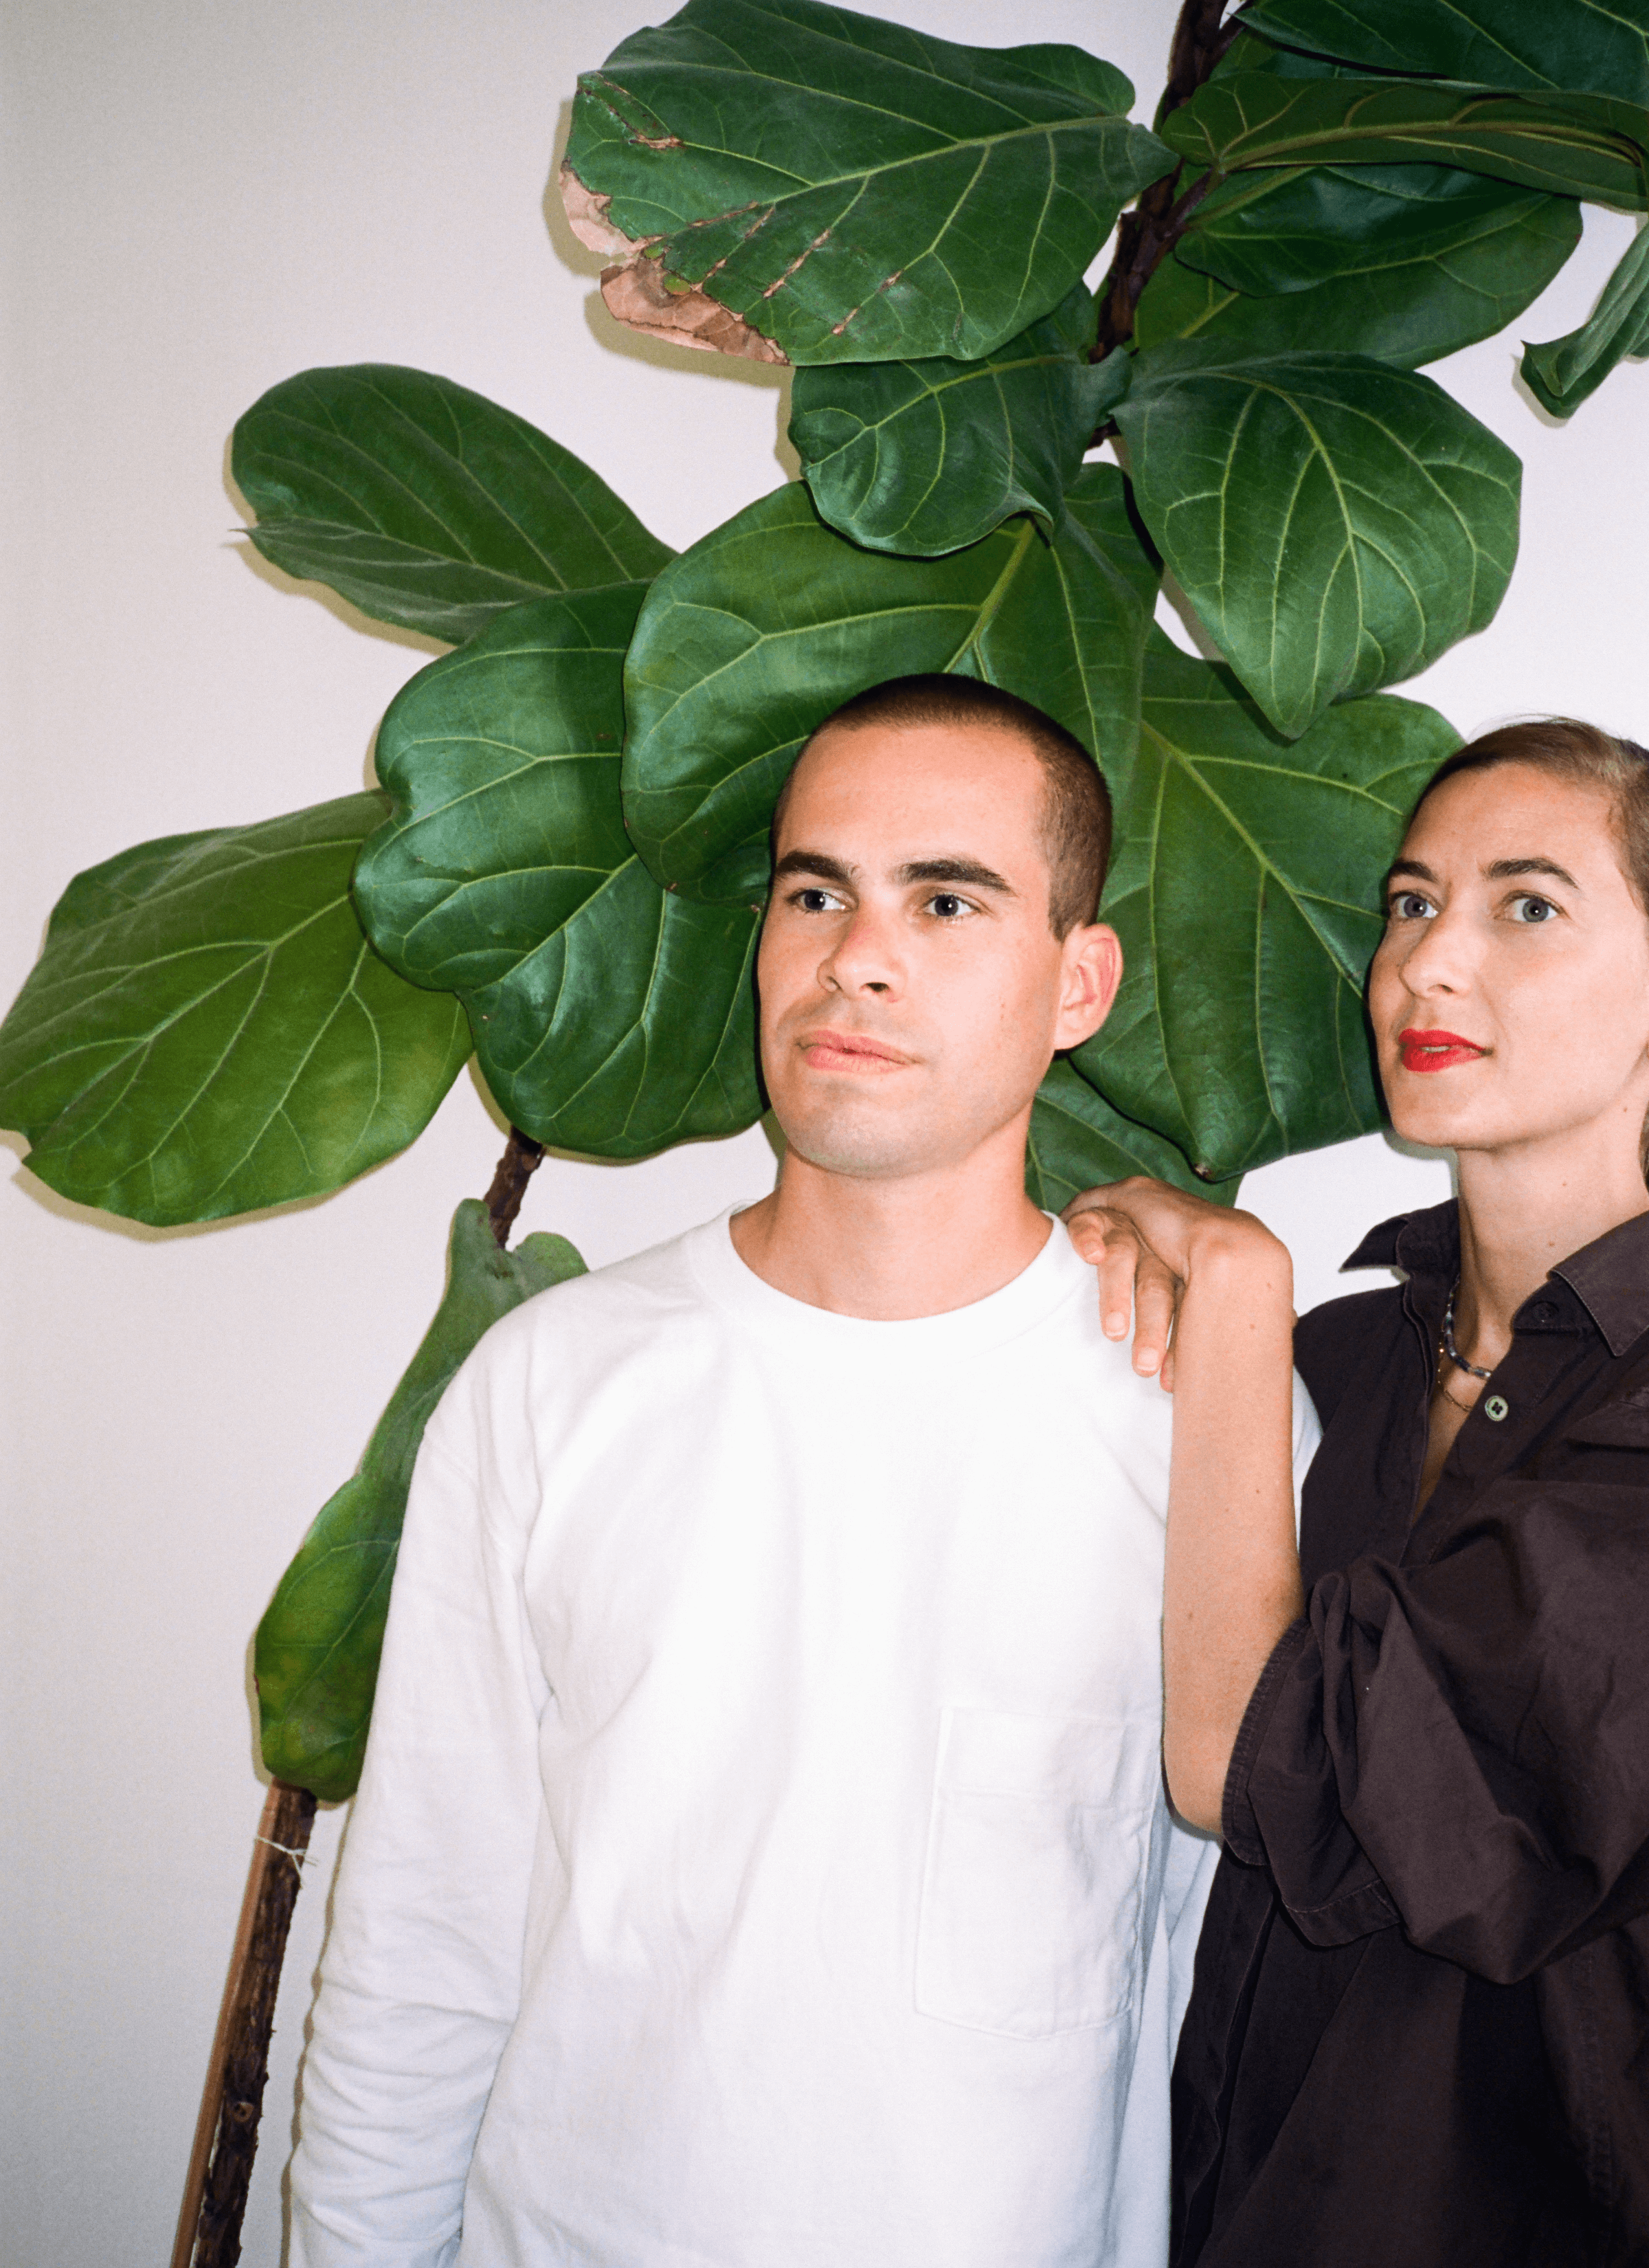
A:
(1436, 1051)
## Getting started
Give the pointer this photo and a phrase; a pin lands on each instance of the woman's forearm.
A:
(1232, 1581)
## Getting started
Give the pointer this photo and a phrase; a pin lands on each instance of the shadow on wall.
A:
(616, 338)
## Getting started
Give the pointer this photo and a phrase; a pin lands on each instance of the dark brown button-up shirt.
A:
(1419, 2037)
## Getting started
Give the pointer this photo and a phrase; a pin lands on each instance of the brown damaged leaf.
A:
(586, 215)
(639, 294)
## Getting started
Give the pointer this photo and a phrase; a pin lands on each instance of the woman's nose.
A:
(1442, 957)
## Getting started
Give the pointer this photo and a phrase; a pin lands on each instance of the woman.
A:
(1420, 2027)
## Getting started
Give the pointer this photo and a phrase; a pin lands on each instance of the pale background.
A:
(199, 200)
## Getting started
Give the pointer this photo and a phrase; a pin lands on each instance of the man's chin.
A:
(861, 1144)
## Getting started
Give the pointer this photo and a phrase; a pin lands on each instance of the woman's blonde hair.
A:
(1569, 750)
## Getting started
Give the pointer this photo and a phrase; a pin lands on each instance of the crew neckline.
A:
(1040, 1288)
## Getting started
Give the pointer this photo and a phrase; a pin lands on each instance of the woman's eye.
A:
(1408, 905)
(1532, 910)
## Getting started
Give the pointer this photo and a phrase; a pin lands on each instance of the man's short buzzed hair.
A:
(1076, 805)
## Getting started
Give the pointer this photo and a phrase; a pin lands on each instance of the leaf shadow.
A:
(141, 1232)
(1178, 619)
(637, 346)
(321, 595)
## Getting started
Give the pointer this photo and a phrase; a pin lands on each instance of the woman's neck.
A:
(1523, 1208)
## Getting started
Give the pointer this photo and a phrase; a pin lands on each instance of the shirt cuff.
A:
(1238, 1827)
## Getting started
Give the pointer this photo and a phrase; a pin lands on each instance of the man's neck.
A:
(892, 1248)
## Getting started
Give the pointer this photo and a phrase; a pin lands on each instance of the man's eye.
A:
(948, 905)
(1532, 910)
(1408, 905)
(815, 901)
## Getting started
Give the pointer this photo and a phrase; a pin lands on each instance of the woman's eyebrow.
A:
(1408, 867)
(1502, 870)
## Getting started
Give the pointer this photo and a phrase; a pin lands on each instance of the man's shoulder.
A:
(1071, 1341)
(645, 1292)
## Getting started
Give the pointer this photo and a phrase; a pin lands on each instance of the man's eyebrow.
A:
(955, 867)
(819, 863)
(1503, 869)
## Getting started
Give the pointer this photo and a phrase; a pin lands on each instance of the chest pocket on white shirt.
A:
(1035, 1875)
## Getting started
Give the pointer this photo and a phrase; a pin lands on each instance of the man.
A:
(761, 1860)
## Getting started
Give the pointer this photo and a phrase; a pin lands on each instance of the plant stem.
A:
(520, 1161)
(1144, 235)
(232, 2102)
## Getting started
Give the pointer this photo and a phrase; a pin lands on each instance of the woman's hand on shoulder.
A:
(1146, 1239)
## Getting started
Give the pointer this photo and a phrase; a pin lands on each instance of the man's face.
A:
(912, 991)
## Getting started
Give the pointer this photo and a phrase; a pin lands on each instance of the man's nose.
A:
(864, 958)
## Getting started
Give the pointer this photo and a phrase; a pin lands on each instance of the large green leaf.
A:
(208, 1031)
(424, 503)
(1246, 890)
(1336, 524)
(608, 1017)
(1567, 146)
(926, 457)
(1523, 44)
(1405, 312)
(1077, 1139)
(751, 638)
(1562, 372)
(853, 190)
(316, 1661)
(1281, 230)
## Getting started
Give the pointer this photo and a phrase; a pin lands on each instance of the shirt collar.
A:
(1422, 1244)
(1610, 1276)
(1611, 1279)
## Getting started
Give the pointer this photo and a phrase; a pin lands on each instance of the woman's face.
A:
(1510, 995)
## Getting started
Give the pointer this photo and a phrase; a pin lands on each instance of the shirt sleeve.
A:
(421, 1975)
(1463, 1747)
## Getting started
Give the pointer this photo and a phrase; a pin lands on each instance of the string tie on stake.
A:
(297, 1858)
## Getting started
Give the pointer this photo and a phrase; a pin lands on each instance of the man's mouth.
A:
(1436, 1051)
(851, 1052)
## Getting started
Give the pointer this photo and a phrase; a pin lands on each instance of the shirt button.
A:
(1496, 1408)
(1543, 1311)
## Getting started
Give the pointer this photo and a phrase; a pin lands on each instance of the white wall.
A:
(200, 200)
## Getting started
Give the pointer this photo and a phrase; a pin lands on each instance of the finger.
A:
(1117, 1273)
(1094, 1200)
(1156, 1296)
(1087, 1234)
(1166, 1379)
(1092, 1233)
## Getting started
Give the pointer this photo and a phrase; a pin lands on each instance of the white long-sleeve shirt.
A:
(761, 1858)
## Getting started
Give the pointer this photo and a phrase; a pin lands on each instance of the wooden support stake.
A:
(232, 2102)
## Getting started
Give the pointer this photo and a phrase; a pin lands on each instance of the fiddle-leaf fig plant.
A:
(1005, 439)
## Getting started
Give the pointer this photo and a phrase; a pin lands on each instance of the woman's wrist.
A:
(1235, 1256)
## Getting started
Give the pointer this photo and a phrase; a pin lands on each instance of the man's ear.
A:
(1091, 970)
